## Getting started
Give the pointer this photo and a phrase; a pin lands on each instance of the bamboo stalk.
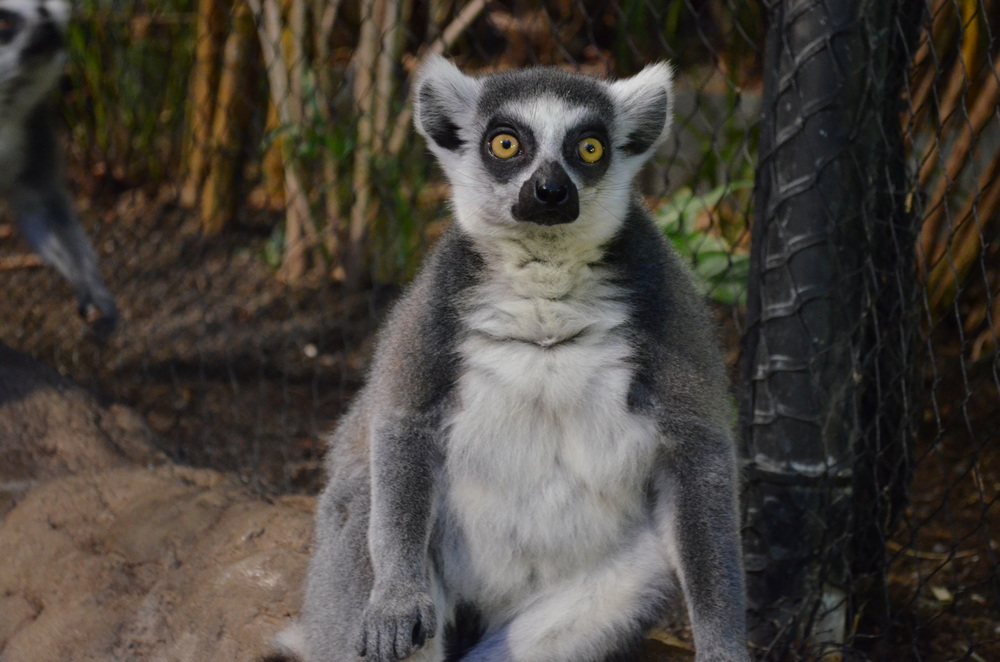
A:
(298, 218)
(387, 58)
(923, 60)
(960, 76)
(293, 52)
(205, 73)
(971, 27)
(233, 112)
(981, 113)
(272, 169)
(325, 13)
(362, 64)
(18, 262)
(294, 58)
(988, 340)
(979, 219)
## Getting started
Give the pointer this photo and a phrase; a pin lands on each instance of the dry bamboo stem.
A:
(979, 219)
(387, 58)
(325, 13)
(231, 121)
(451, 33)
(362, 64)
(293, 51)
(210, 37)
(17, 262)
(923, 58)
(298, 219)
(959, 77)
(272, 168)
(983, 110)
(987, 341)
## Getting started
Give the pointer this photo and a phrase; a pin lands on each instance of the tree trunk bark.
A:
(825, 413)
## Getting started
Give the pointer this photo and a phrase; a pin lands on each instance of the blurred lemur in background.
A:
(32, 56)
(542, 458)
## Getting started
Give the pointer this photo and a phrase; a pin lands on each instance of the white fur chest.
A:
(546, 467)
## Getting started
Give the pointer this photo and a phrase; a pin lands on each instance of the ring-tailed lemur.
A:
(542, 457)
(32, 55)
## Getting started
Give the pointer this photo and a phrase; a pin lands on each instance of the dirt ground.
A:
(111, 552)
(233, 371)
(230, 369)
(945, 556)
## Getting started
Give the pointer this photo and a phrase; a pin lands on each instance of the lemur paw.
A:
(395, 625)
(100, 312)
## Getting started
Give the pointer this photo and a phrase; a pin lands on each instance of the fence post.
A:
(825, 413)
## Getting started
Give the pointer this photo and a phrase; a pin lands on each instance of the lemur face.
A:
(541, 147)
(32, 49)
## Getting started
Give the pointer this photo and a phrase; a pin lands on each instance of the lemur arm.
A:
(414, 372)
(400, 612)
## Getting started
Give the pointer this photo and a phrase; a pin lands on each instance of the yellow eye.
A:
(504, 146)
(591, 150)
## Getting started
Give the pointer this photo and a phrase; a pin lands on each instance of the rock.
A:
(112, 553)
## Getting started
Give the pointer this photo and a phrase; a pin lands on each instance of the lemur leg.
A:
(589, 618)
(51, 227)
(43, 210)
(697, 513)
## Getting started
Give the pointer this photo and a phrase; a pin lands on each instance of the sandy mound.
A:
(111, 553)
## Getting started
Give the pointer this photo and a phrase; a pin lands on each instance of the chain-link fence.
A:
(250, 177)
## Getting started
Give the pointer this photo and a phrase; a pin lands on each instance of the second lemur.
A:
(32, 57)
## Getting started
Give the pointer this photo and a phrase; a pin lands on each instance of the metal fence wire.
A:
(249, 175)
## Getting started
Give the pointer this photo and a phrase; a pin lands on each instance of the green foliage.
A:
(720, 269)
(274, 249)
(128, 66)
(396, 234)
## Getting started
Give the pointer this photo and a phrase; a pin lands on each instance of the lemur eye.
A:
(590, 149)
(504, 146)
(9, 24)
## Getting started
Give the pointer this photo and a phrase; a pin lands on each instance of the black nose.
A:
(45, 40)
(552, 192)
(549, 197)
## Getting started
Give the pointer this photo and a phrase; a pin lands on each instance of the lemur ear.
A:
(445, 100)
(644, 105)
